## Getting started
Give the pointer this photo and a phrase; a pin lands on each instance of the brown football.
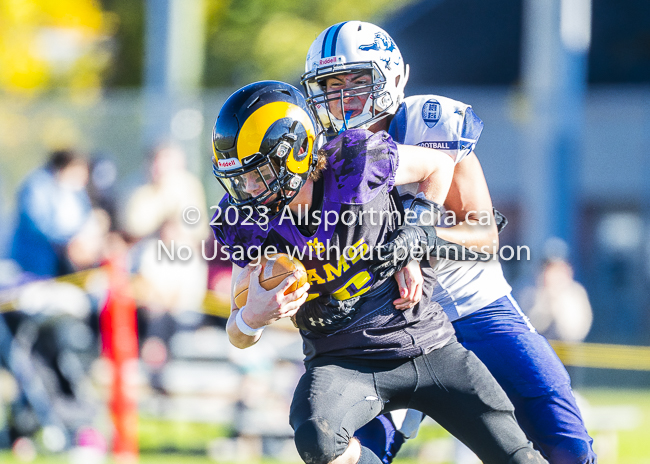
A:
(274, 270)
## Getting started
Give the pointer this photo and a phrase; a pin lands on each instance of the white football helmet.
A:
(354, 47)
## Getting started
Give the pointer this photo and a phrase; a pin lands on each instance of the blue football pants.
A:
(532, 376)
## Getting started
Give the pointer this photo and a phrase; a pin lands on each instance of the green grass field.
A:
(619, 421)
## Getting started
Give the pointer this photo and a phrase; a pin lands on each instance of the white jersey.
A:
(452, 127)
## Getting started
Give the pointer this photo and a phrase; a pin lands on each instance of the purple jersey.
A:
(357, 214)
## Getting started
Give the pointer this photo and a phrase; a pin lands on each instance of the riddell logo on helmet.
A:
(330, 60)
(228, 164)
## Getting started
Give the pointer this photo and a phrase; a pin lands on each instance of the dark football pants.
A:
(335, 397)
(530, 373)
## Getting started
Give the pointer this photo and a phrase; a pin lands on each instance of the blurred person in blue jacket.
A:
(52, 207)
(57, 232)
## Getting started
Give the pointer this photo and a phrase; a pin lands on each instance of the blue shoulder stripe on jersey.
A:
(472, 125)
(329, 42)
(397, 129)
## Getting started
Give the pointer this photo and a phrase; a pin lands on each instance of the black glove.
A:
(406, 243)
(500, 219)
(325, 315)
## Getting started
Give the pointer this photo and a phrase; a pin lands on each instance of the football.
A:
(274, 270)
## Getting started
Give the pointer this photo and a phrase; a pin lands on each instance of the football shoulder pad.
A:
(437, 122)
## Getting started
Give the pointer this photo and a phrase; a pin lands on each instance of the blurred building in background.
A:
(479, 58)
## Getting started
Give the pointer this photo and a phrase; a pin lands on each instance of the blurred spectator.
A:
(155, 213)
(52, 207)
(171, 285)
(170, 290)
(57, 232)
(87, 248)
(170, 190)
(560, 308)
(101, 186)
(45, 345)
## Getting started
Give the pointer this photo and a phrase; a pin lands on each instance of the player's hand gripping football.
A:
(263, 307)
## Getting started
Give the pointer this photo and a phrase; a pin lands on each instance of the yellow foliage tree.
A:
(46, 44)
(249, 40)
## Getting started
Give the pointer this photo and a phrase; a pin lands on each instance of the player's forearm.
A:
(471, 234)
(237, 337)
(436, 186)
(432, 169)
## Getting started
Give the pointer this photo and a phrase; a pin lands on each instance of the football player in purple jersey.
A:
(362, 355)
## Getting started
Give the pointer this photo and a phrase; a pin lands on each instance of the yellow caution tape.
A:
(603, 356)
(216, 306)
(8, 298)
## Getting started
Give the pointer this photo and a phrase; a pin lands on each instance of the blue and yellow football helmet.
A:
(264, 144)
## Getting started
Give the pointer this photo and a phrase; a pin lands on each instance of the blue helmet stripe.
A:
(325, 41)
(336, 36)
(329, 42)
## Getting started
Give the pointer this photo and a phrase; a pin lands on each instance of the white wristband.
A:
(245, 328)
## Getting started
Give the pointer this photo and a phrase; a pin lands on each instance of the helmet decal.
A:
(226, 165)
(254, 128)
(384, 43)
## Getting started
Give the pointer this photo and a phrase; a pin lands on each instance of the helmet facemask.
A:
(327, 104)
(353, 47)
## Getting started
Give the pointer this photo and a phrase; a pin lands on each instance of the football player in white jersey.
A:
(355, 77)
